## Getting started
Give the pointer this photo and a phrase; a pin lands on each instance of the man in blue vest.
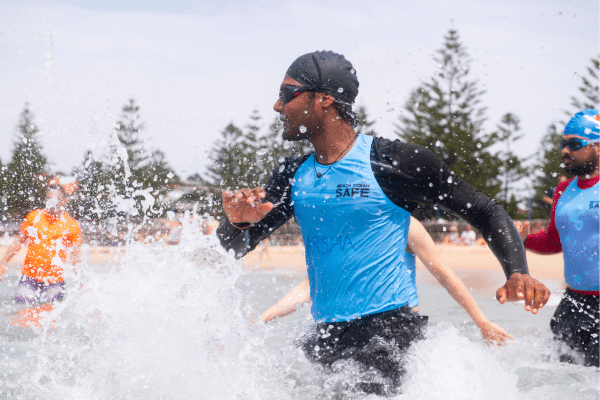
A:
(352, 198)
(574, 230)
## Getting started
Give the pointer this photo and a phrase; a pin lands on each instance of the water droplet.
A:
(353, 71)
(262, 152)
(302, 128)
(340, 90)
(326, 196)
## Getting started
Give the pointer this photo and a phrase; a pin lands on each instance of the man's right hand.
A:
(245, 205)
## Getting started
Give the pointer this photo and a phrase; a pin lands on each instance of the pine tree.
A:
(547, 171)
(127, 153)
(252, 172)
(445, 116)
(227, 157)
(158, 175)
(512, 170)
(364, 124)
(133, 168)
(26, 174)
(589, 95)
(93, 178)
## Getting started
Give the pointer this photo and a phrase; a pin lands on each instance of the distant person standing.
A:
(53, 237)
(574, 229)
(453, 237)
(468, 237)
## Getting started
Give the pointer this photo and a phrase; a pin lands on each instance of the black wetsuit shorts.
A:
(576, 322)
(377, 343)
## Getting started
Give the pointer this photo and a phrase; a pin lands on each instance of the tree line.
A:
(444, 114)
(125, 183)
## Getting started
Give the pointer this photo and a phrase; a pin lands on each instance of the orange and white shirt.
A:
(48, 236)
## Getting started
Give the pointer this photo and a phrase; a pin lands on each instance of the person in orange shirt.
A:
(53, 237)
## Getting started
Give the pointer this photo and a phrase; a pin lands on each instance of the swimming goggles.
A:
(574, 143)
(290, 92)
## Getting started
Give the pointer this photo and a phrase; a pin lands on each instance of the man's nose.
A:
(278, 106)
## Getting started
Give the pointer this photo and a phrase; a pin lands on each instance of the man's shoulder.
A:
(392, 147)
(561, 187)
(291, 164)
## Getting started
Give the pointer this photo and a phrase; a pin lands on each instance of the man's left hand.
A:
(524, 287)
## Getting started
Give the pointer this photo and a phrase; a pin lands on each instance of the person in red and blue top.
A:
(574, 230)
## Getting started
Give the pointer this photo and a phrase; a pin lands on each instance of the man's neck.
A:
(335, 141)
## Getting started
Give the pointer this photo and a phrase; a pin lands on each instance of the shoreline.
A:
(457, 257)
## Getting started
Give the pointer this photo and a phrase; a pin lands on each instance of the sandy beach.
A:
(457, 257)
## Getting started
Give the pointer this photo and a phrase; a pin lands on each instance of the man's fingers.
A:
(518, 285)
(529, 293)
(542, 294)
(259, 192)
(264, 209)
(501, 295)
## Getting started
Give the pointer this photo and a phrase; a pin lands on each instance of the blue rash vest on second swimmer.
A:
(577, 221)
(354, 237)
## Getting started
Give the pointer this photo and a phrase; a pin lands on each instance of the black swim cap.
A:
(326, 72)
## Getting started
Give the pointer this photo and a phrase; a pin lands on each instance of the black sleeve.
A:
(411, 174)
(279, 192)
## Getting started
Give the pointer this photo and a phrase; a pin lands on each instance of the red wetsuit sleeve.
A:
(548, 241)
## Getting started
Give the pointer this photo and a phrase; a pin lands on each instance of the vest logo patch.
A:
(353, 190)
(594, 204)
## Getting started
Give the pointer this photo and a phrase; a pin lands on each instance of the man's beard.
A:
(580, 170)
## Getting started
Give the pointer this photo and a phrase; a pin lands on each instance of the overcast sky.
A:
(195, 68)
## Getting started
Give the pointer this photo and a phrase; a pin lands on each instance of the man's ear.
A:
(325, 100)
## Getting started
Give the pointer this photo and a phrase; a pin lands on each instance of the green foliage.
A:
(25, 176)
(247, 158)
(512, 170)
(134, 172)
(94, 179)
(228, 159)
(445, 116)
(364, 124)
(589, 96)
(547, 171)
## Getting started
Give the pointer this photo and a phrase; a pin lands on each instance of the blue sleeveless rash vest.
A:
(411, 269)
(354, 237)
(577, 222)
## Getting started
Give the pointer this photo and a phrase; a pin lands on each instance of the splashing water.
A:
(153, 322)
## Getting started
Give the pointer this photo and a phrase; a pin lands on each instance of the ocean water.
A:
(179, 322)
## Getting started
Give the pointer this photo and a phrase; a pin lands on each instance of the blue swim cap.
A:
(585, 123)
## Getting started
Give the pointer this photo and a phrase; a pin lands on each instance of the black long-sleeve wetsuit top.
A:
(408, 174)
